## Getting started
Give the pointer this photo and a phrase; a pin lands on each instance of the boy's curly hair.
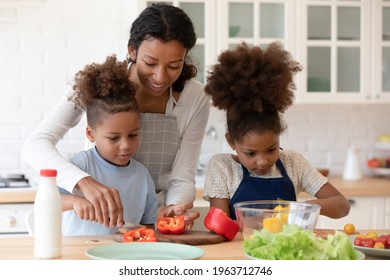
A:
(254, 86)
(104, 89)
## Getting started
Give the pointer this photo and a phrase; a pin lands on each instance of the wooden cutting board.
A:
(191, 237)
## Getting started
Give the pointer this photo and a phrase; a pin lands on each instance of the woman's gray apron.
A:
(159, 143)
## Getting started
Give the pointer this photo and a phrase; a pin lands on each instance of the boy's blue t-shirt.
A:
(135, 186)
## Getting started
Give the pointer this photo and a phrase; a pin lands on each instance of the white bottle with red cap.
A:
(47, 217)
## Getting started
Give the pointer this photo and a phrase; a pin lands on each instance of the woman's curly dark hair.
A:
(104, 89)
(254, 86)
(166, 22)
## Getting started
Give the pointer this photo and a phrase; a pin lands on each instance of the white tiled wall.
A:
(43, 43)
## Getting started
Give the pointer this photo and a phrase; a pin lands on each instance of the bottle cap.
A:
(48, 172)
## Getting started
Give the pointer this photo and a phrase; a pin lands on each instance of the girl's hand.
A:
(106, 202)
(178, 210)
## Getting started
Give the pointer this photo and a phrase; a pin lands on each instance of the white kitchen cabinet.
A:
(257, 22)
(343, 45)
(366, 213)
(344, 48)
(12, 218)
(223, 24)
(381, 50)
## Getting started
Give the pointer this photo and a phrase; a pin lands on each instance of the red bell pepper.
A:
(140, 235)
(218, 221)
(171, 225)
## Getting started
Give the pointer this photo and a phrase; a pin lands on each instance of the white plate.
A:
(145, 251)
(380, 253)
(381, 171)
(360, 254)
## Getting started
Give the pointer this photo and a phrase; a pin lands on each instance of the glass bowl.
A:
(273, 214)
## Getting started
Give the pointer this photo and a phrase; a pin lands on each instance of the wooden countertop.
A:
(367, 186)
(74, 248)
(17, 195)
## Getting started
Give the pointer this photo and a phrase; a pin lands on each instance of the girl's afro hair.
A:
(253, 79)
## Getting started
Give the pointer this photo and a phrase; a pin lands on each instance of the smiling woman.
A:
(174, 113)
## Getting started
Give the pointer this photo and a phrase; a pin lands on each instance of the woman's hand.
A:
(178, 210)
(106, 202)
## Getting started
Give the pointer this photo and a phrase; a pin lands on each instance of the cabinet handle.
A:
(351, 202)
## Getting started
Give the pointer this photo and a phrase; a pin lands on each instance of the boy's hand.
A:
(84, 209)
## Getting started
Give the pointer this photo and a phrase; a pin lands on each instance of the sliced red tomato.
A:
(218, 221)
(171, 225)
(139, 235)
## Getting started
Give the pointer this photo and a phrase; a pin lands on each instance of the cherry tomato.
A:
(387, 242)
(358, 241)
(379, 245)
(349, 228)
(368, 242)
(372, 234)
(381, 238)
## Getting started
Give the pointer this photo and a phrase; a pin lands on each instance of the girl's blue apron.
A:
(254, 188)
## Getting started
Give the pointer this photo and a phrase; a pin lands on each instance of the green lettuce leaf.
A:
(295, 243)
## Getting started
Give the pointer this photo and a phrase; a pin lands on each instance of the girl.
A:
(108, 97)
(255, 86)
(174, 113)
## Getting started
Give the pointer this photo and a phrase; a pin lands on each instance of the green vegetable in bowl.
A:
(295, 243)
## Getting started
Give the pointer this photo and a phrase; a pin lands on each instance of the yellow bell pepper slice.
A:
(276, 222)
(272, 224)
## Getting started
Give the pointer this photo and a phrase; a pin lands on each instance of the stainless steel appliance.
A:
(14, 181)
